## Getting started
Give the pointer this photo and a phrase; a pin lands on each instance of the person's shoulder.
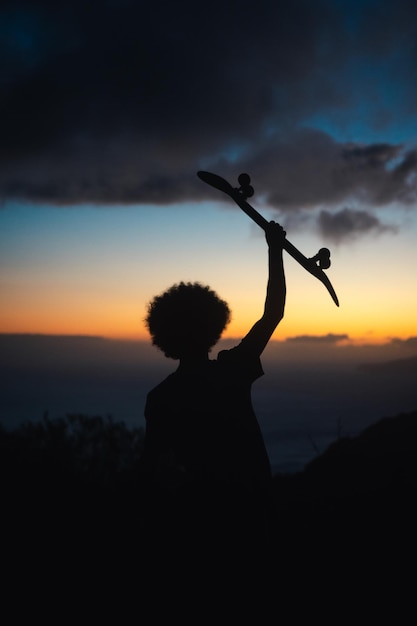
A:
(225, 356)
(241, 359)
(229, 353)
(240, 352)
(167, 382)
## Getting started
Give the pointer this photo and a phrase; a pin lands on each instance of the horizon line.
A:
(334, 339)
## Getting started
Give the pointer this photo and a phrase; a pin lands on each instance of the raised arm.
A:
(259, 335)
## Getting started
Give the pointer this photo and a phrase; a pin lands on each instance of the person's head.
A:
(187, 318)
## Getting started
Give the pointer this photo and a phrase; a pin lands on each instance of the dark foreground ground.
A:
(77, 532)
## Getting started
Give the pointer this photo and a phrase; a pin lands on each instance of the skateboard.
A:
(315, 265)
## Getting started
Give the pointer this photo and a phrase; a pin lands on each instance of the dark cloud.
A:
(350, 224)
(125, 101)
(330, 338)
(308, 168)
(385, 172)
(410, 342)
(398, 367)
(373, 156)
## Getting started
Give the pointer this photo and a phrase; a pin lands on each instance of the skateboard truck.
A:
(315, 265)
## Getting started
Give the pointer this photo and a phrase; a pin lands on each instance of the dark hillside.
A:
(73, 496)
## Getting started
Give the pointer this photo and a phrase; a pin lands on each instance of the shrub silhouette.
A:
(93, 450)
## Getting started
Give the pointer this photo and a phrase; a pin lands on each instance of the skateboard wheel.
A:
(248, 191)
(244, 180)
(323, 257)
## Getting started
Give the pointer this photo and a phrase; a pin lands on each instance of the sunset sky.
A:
(109, 109)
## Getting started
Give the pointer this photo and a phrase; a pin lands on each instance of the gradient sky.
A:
(109, 110)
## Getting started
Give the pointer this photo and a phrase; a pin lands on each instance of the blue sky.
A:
(110, 109)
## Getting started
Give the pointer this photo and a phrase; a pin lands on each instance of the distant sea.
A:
(302, 407)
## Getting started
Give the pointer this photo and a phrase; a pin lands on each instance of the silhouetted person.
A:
(204, 449)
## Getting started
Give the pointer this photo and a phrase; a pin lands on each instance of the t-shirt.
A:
(201, 422)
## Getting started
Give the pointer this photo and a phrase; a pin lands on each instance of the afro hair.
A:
(186, 318)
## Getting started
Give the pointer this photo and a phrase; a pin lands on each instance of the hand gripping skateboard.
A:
(315, 265)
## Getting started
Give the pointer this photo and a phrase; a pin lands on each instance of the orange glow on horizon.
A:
(137, 332)
(114, 306)
(366, 317)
